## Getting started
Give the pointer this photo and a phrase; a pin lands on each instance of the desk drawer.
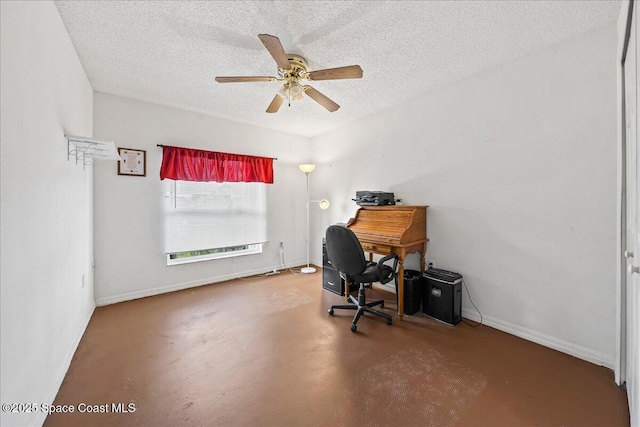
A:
(332, 281)
(376, 248)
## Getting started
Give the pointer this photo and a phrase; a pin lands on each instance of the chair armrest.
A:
(385, 259)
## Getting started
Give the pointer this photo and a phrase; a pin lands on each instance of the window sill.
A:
(254, 249)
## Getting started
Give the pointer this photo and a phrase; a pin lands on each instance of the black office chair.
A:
(346, 255)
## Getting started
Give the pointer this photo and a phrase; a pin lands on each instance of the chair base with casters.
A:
(346, 255)
(361, 306)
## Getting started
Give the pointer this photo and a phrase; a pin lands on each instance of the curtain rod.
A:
(161, 145)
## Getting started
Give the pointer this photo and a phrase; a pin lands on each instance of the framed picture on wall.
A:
(132, 162)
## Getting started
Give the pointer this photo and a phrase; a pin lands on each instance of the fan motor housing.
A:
(298, 65)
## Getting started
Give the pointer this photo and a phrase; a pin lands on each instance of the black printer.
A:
(374, 198)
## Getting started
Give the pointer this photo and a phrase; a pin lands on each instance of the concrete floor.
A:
(263, 351)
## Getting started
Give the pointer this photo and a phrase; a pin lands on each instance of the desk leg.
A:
(422, 254)
(401, 287)
(371, 260)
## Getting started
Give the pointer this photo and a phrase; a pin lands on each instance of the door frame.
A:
(624, 31)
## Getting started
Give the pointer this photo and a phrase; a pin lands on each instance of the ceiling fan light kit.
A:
(292, 69)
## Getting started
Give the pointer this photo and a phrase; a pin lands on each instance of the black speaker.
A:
(442, 297)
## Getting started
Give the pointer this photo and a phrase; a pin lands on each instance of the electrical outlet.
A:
(431, 264)
(271, 273)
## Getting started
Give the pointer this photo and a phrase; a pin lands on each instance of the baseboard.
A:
(563, 346)
(186, 285)
(39, 417)
(315, 262)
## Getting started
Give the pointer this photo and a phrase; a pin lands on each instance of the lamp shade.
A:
(324, 204)
(307, 168)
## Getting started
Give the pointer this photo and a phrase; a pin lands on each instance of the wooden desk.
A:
(399, 230)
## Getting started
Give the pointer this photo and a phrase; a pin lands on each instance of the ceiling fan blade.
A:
(321, 99)
(275, 104)
(348, 72)
(273, 45)
(245, 79)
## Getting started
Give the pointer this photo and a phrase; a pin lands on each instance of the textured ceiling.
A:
(170, 52)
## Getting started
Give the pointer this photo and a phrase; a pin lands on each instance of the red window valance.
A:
(188, 164)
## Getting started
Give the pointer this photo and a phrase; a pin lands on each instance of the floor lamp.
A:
(324, 204)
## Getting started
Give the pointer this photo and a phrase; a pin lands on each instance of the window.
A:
(211, 220)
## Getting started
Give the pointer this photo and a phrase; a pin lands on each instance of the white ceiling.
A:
(170, 52)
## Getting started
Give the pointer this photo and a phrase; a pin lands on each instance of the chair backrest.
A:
(344, 250)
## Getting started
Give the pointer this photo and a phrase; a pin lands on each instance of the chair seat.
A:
(370, 274)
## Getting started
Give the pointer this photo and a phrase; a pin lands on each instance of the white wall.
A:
(129, 253)
(46, 230)
(518, 167)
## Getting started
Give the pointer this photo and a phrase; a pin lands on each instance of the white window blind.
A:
(209, 215)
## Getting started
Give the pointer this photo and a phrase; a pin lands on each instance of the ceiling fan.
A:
(292, 69)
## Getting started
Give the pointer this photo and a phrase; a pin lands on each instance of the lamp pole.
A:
(308, 269)
(324, 204)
